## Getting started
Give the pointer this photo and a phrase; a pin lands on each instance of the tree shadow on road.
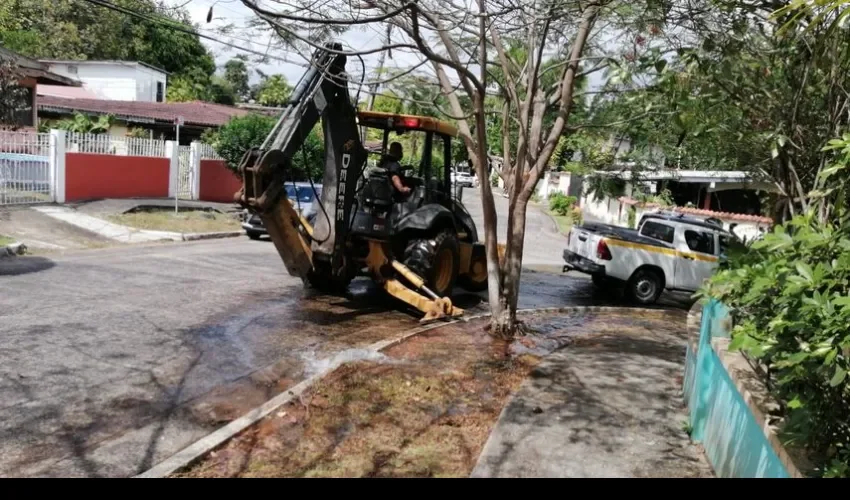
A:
(16, 266)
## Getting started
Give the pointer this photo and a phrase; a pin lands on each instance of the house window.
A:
(72, 68)
(160, 91)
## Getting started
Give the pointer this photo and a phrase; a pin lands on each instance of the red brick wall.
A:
(218, 183)
(90, 176)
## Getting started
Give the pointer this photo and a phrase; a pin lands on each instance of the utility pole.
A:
(178, 122)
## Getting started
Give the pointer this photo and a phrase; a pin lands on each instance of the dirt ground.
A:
(187, 221)
(425, 410)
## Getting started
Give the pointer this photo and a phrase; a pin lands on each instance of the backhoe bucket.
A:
(262, 192)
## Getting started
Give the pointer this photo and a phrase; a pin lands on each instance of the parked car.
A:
(462, 179)
(301, 195)
(667, 251)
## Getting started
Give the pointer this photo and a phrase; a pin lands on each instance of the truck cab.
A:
(667, 251)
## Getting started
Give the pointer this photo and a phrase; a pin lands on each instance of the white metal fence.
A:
(106, 144)
(186, 172)
(207, 152)
(25, 175)
(32, 165)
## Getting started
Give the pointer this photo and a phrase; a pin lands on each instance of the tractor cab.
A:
(426, 169)
(426, 143)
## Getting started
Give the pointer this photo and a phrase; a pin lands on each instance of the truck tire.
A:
(645, 286)
(254, 235)
(436, 260)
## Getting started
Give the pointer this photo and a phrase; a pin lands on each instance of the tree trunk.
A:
(505, 324)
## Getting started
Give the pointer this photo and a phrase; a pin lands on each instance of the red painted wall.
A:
(90, 176)
(218, 183)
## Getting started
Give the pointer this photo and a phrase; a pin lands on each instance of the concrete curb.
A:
(13, 250)
(211, 236)
(198, 449)
(554, 222)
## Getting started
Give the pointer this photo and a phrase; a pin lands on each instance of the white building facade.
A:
(116, 80)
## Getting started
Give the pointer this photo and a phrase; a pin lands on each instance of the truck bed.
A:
(621, 233)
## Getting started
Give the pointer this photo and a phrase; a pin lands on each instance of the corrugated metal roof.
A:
(65, 92)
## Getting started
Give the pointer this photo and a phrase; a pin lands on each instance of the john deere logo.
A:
(348, 145)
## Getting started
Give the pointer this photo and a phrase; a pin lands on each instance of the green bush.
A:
(242, 133)
(561, 204)
(790, 298)
(789, 295)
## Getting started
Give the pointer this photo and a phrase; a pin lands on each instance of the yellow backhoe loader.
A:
(416, 248)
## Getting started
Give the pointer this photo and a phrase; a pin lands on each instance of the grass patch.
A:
(565, 222)
(5, 240)
(186, 221)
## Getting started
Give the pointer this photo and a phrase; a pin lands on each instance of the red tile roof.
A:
(194, 113)
(701, 212)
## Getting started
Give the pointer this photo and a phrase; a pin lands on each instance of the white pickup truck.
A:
(667, 251)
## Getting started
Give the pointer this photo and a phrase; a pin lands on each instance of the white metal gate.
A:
(186, 173)
(25, 175)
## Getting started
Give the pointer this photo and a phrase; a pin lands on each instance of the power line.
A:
(177, 27)
(188, 31)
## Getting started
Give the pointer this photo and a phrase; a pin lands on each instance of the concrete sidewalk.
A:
(106, 229)
(124, 234)
(606, 406)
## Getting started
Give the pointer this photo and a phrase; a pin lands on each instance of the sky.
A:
(233, 11)
(357, 38)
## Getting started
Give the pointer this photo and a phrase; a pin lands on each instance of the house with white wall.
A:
(115, 80)
(731, 196)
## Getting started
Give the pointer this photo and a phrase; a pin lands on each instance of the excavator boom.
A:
(321, 93)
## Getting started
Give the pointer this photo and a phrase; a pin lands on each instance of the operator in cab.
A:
(394, 156)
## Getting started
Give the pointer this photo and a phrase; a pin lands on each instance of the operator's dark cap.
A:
(395, 150)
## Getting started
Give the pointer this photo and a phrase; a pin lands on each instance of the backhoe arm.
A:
(321, 93)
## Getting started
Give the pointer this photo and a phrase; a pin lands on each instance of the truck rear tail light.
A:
(602, 251)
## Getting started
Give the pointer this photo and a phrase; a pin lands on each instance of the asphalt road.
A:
(113, 359)
(543, 246)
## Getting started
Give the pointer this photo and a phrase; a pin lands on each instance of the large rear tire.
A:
(476, 279)
(436, 260)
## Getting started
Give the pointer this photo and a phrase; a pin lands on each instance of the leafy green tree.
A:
(186, 89)
(738, 92)
(84, 124)
(243, 133)
(13, 98)
(236, 73)
(70, 29)
(274, 91)
(221, 91)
